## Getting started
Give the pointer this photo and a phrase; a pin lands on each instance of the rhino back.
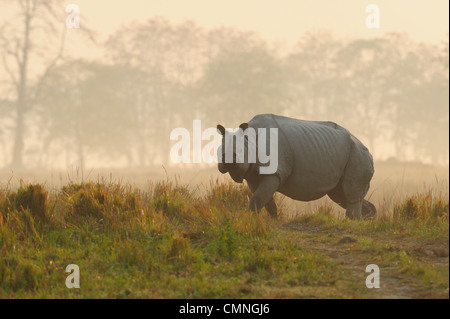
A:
(317, 154)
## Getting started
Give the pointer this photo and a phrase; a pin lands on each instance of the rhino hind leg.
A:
(337, 196)
(352, 210)
(368, 210)
(357, 209)
(355, 182)
(363, 209)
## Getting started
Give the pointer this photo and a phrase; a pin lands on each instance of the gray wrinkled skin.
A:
(314, 159)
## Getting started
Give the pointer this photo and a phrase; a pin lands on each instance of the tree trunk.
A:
(80, 147)
(17, 158)
(80, 153)
(17, 155)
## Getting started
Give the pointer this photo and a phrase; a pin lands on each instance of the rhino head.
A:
(235, 144)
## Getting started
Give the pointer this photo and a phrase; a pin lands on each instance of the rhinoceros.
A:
(315, 158)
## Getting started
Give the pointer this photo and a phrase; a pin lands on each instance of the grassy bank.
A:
(169, 241)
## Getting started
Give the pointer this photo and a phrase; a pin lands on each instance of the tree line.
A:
(156, 76)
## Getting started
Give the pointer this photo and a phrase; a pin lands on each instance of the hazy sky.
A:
(285, 20)
(280, 21)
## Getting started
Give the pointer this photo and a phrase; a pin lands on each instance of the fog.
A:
(107, 95)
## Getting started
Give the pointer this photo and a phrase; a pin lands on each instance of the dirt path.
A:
(345, 249)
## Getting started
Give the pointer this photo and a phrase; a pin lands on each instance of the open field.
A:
(170, 240)
(393, 182)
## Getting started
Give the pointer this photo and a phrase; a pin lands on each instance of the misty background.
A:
(60, 109)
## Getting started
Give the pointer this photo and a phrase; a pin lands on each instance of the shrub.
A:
(423, 207)
(228, 196)
(32, 198)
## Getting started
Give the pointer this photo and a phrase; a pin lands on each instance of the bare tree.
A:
(19, 45)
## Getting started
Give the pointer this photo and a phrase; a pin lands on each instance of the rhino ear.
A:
(243, 126)
(220, 129)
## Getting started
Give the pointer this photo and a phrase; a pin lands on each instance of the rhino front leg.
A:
(271, 208)
(263, 196)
